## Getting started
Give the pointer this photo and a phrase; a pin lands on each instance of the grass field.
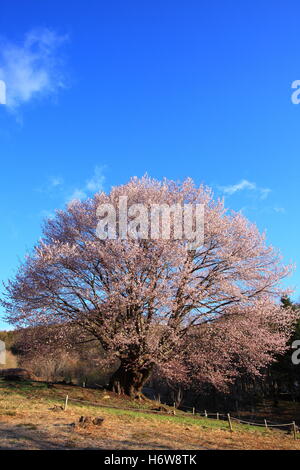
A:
(32, 417)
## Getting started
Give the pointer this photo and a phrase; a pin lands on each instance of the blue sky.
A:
(98, 92)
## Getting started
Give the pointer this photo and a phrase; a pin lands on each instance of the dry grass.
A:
(31, 417)
(11, 361)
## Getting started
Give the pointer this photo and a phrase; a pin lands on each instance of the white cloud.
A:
(93, 185)
(279, 210)
(77, 195)
(245, 185)
(56, 181)
(54, 186)
(46, 214)
(264, 192)
(33, 68)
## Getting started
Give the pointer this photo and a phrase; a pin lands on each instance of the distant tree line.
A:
(76, 361)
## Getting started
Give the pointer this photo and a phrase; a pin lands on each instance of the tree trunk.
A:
(129, 380)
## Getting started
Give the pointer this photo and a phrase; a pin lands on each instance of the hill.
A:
(32, 417)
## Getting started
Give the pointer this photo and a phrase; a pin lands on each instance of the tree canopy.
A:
(203, 314)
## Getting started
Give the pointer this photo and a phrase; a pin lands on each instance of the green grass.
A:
(181, 418)
(40, 392)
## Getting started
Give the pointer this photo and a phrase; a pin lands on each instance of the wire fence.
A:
(266, 424)
(292, 428)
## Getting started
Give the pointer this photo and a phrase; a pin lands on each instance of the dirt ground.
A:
(32, 417)
(43, 431)
(60, 433)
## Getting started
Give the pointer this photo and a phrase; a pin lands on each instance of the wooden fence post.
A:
(218, 416)
(193, 410)
(266, 424)
(66, 403)
(229, 422)
(294, 430)
(205, 413)
(174, 408)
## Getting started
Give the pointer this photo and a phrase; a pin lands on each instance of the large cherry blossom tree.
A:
(207, 313)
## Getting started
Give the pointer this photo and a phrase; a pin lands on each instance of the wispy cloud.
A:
(56, 181)
(279, 210)
(96, 182)
(264, 192)
(245, 185)
(53, 186)
(58, 188)
(31, 69)
(76, 195)
(46, 214)
(93, 185)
